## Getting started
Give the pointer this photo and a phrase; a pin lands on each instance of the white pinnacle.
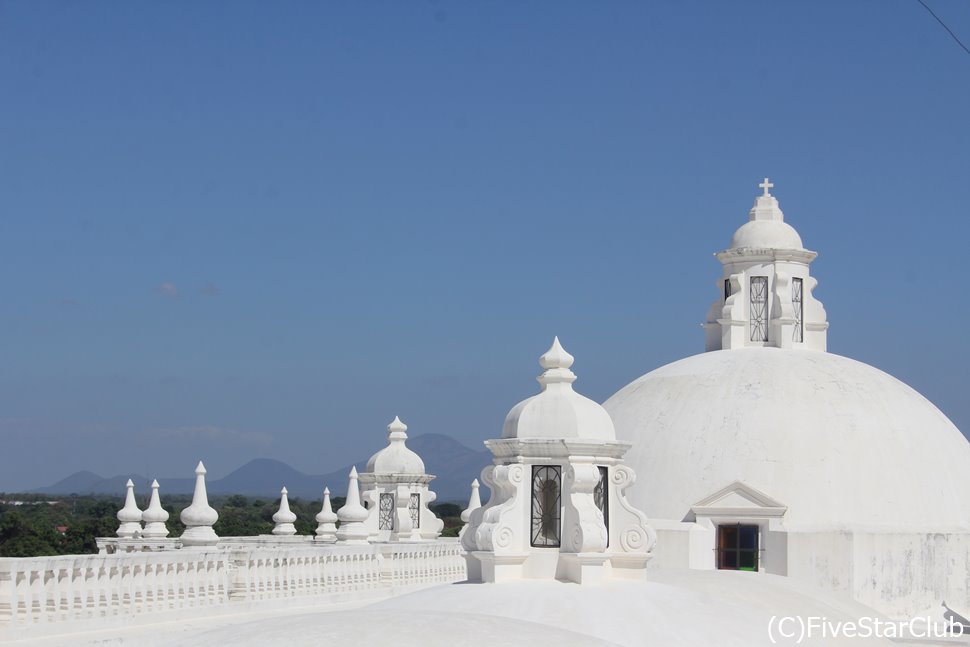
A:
(474, 502)
(130, 515)
(352, 515)
(556, 361)
(284, 518)
(199, 517)
(326, 520)
(155, 516)
(396, 430)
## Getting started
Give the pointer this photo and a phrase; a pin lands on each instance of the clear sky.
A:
(233, 230)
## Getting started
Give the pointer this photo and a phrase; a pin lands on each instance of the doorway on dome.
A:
(737, 547)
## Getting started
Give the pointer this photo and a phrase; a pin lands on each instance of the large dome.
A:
(842, 444)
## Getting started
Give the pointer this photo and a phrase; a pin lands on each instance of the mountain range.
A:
(453, 464)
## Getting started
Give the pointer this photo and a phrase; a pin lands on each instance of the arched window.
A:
(546, 505)
(414, 509)
(799, 306)
(385, 519)
(601, 496)
(759, 308)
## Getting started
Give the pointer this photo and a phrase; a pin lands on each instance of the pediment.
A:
(739, 498)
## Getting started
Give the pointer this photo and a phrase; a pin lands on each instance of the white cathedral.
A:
(712, 500)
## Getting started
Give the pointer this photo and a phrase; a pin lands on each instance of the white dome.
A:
(396, 458)
(841, 443)
(766, 234)
(558, 411)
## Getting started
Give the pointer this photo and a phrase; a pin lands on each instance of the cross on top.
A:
(766, 185)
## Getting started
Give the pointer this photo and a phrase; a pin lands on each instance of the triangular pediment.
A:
(738, 498)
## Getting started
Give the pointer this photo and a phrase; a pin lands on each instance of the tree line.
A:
(68, 525)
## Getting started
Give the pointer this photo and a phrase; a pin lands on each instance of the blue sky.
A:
(232, 230)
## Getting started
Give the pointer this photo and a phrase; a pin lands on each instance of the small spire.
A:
(474, 502)
(556, 356)
(352, 515)
(396, 430)
(326, 520)
(130, 515)
(284, 518)
(200, 516)
(155, 516)
(556, 361)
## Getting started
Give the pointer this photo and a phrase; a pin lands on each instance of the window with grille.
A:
(414, 508)
(546, 505)
(737, 548)
(759, 308)
(799, 306)
(601, 497)
(385, 519)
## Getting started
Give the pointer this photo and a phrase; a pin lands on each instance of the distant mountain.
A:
(265, 477)
(78, 482)
(453, 464)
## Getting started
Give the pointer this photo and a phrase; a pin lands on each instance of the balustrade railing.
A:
(110, 589)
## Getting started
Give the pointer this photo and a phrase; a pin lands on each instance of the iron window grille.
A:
(385, 519)
(601, 497)
(799, 307)
(546, 506)
(759, 308)
(737, 547)
(414, 509)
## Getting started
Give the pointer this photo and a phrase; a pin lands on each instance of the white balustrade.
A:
(67, 591)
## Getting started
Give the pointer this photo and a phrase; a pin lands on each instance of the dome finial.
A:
(766, 205)
(766, 185)
(396, 430)
(556, 361)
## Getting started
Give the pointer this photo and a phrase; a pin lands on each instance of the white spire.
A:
(474, 503)
(395, 430)
(284, 518)
(556, 361)
(199, 517)
(130, 515)
(326, 520)
(352, 515)
(155, 516)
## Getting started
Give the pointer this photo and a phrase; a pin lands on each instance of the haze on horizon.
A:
(265, 230)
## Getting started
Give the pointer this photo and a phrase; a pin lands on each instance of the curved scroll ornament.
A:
(586, 532)
(782, 307)
(733, 310)
(494, 527)
(635, 533)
